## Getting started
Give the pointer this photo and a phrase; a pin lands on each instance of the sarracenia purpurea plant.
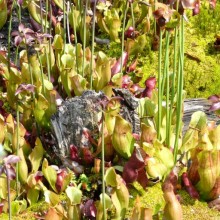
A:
(61, 60)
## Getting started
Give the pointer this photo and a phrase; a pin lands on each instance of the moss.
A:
(202, 68)
(39, 207)
(148, 63)
(152, 198)
(201, 76)
(30, 213)
(25, 215)
(114, 50)
(196, 209)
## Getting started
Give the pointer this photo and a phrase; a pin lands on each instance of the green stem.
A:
(9, 36)
(84, 38)
(174, 68)
(41, 14)
(166, 78)
(50, 43)
(92, 49)
(29, 66)
(50, 20)
(67, 21)
(48, 62)
(46, 15)
(132, 15)
(123, 34)
(64, 24)
(16, 55)
(18, 143)
(19, 12)
(80, 4)
(32, 82)
(31, 74)
(76, 44)
(155, 22)
(103, 169)
(179, 90)
(77, 5)
(9, 195)
(166, 62)
(173, 84)
(41, 72)
(159, 87)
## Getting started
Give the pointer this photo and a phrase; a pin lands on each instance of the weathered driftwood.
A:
(199, 104)
(72, 119)
(80, 114)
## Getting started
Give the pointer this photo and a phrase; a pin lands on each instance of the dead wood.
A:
(79, 115)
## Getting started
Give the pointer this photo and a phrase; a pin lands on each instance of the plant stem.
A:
(9, 36)
(159, 88)
(41, 14)
(77, 5)
(64, 24)
(18, 143)
(155, 23)
(103, 169)
(180, 89)
(80, 5)
(76, 43)
(166, 77)
(16, 55)
(50, 19)
(19, 12)
(41, 72)
(30, 71)
(132, 15)
(84, 38)
(173, 84)
(92, 49)
(48, 62)
(166, 63)
(46, 15)
(123, 34)
(67, 21)
(50, 43)
(9, 194)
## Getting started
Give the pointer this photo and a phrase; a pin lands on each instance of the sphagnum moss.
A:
(152, 197)
(196, 210)
(30, 213)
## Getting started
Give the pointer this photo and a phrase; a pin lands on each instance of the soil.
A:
(25, 19)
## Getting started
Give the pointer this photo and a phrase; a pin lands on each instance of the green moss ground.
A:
(30, 213)
(192, 209)
(202, 61)
(202, 78)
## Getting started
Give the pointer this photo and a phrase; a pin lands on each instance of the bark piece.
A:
(83, 113)
(72, 118)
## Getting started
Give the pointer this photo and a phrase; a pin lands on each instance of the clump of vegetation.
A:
(138, 47)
